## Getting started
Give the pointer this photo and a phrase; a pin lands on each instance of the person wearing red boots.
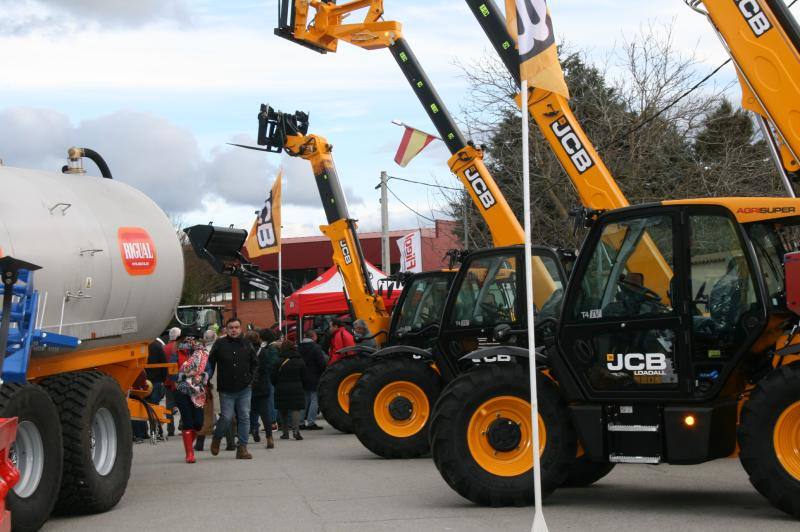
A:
(190, 391)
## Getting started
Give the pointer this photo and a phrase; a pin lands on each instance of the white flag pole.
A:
(539, 524)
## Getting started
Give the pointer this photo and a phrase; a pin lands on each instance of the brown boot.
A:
(242, 454)
(270, 442)
(215, 445)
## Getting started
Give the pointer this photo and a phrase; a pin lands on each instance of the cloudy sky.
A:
(160, 86)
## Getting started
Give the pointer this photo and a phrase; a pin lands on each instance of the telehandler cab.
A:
(639, 377)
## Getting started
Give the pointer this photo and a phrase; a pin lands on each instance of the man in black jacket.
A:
(315, 360)
(236, 361)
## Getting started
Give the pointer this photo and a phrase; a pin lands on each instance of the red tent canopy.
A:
(325, 295)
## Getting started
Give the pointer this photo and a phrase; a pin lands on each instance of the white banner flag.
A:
(411, 252)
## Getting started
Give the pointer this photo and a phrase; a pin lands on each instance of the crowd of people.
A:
(229, 387)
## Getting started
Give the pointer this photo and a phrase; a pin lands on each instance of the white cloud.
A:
(161, 159)
(31, 137)
(240, 176)
(51, 17)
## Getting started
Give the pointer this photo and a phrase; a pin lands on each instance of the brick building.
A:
(305, 258)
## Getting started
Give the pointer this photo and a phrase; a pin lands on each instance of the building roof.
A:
(427, 232)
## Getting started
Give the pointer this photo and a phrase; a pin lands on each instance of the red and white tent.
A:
(325, 294)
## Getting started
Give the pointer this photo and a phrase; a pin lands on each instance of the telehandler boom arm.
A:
(763, 40)
(322, 32)
(590, 177)
(279, 132)
(588, 174)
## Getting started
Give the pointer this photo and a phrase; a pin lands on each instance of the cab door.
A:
(488, 292)
(623, 329)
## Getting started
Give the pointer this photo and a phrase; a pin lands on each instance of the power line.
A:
(666, 108)
(673, 103)
(423, 183)
(408, 206)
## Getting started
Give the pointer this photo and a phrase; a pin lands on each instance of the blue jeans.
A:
(312, 407)
(238, 402)
(271, 404)
(260, 408)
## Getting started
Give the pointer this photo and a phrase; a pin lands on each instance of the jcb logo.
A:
(492, 360)
(535, 29)
(265, 232)
(348, 259)
(572, 145)
(481, 189)
(638, 363)
(755, 16)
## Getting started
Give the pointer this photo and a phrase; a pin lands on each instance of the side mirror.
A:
(501, 332)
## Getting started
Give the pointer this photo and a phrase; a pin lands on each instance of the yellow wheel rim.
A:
(345, 387)
(504, 463)
(401, 409)
(786, 438)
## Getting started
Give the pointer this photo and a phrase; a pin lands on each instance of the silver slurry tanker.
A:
(112, 274)
(112, 266)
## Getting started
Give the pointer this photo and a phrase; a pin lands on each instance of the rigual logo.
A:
(572, 145)
(638, 363)
(479, 186)
(348, 259)
(755, 16)
(137, 250)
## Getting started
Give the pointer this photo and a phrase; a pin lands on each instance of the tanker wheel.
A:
(391, 407)
(481, 436)
(584, 472)
(769, 438)
(335, 385)
(37, 453)
(98, 446)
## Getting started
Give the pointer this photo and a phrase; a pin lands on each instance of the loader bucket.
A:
(218, 245)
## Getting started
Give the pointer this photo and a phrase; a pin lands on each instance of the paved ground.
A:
(328, 482)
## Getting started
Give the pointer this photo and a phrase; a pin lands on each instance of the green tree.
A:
(655, 148)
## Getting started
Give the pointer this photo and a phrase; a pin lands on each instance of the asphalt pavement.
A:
(329, 482)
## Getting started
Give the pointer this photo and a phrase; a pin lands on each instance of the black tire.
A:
(328, 391)
(84, 398)
(451, 452)
(584, 472)
(392, 372)
(33, 408)
(773, 395)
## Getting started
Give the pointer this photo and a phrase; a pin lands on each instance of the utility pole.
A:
(385, 252)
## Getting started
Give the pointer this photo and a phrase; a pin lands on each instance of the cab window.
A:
(721, 283)
(487, 294)
(630, 272)
(423, 304)
(771, 241)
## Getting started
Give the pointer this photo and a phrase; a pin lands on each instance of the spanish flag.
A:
(530, 24)
(414, 141)
(265, 236)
